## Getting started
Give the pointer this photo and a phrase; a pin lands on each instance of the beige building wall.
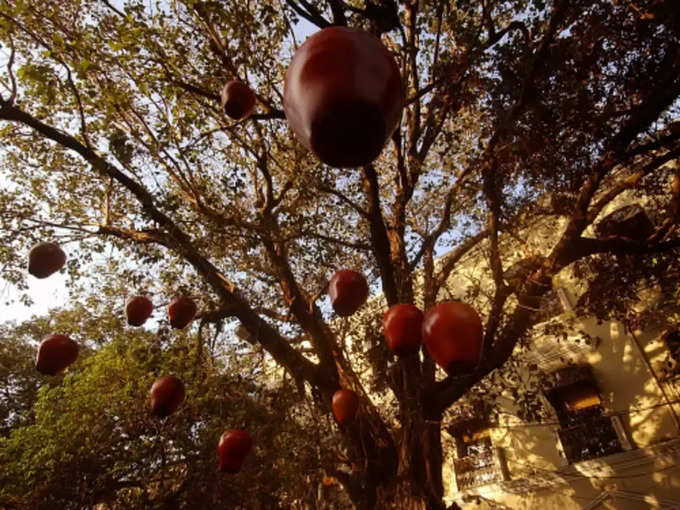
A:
(627, 368)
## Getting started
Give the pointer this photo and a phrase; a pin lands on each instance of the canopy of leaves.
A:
(518, 114)
(88, 437)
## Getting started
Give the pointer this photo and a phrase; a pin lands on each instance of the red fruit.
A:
(55, 353)
(348, 291)
(167, 394)
(181, 312)
(453, 333)
(137, 310)
(345, 404)
(233, 448)
(45, 259)
(238, 100)
(343, 96)
(402, 327)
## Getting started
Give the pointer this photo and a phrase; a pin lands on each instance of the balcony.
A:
(473, 471)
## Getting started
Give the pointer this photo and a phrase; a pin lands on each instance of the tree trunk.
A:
(416, 485)
(402, 494)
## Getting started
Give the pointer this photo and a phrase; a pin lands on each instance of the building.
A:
(609, 432)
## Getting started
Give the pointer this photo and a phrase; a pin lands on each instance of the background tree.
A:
(88, 438)
(116, 146)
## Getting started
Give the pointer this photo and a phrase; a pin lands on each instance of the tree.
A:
(72, 451)
(114, 138)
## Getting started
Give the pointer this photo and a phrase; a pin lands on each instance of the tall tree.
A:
(114, 140)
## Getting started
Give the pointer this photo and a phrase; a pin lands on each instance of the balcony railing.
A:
(594, 437)
(477, 470)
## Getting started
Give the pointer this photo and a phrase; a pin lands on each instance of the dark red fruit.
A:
(181, 312)
(166, 395)
(45, 259)
(56, 352)
(233, 448)
(453, 334)
(137, 310)
(343, 96)
(402, 327)
(348, 291)
(238, 100)
(345, 405)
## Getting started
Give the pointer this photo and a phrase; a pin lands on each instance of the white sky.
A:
(47, 293)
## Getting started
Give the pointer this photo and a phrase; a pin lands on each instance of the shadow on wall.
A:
(540, 475)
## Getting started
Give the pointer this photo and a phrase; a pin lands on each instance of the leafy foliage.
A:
(520, 116)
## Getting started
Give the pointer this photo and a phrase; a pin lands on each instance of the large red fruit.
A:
(137, 310)
(343, 96)
(45, 259)
(181, 312)
(233, 448)
(345, 404)
(453, 333)
(402, 327)
(238, 100)
(348, 291)
(55, 353)
(166, 395)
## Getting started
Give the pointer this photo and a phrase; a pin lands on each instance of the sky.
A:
(48, 293)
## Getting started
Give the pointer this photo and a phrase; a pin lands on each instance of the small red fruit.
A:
(402, 327)
(453, 334)
(345, 405)
(137, 310)
(181, 312)
(56, 352)
(233, 448)
(45, 259)
(166, 395)
(348, 291)
(343, 96)
(238, 100)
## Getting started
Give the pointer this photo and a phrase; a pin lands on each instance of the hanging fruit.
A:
(166, 395)
(181, 312)
(56, 352)
(345, 405)
(402, 327)
(233, 448)
(343, 96)
(453, 334)
(137, 310)
(348, 290)
(238, 100)
(45, 259)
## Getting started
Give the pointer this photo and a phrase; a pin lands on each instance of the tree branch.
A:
(311, 14)
(380, 242)
(178, 241)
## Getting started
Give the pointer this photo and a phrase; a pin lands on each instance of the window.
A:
(477, 461)
(672, 340)
(671, 366)
(585, 432)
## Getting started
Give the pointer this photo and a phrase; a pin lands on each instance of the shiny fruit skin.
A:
(345, 405)
(137, 310)
(181, 312)
(238, 100)
(453, 335)
(56, 352)
(348, 291)
(402, 327)
(343, 96)
(166, 395)
(233, 448)
(45, 259)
